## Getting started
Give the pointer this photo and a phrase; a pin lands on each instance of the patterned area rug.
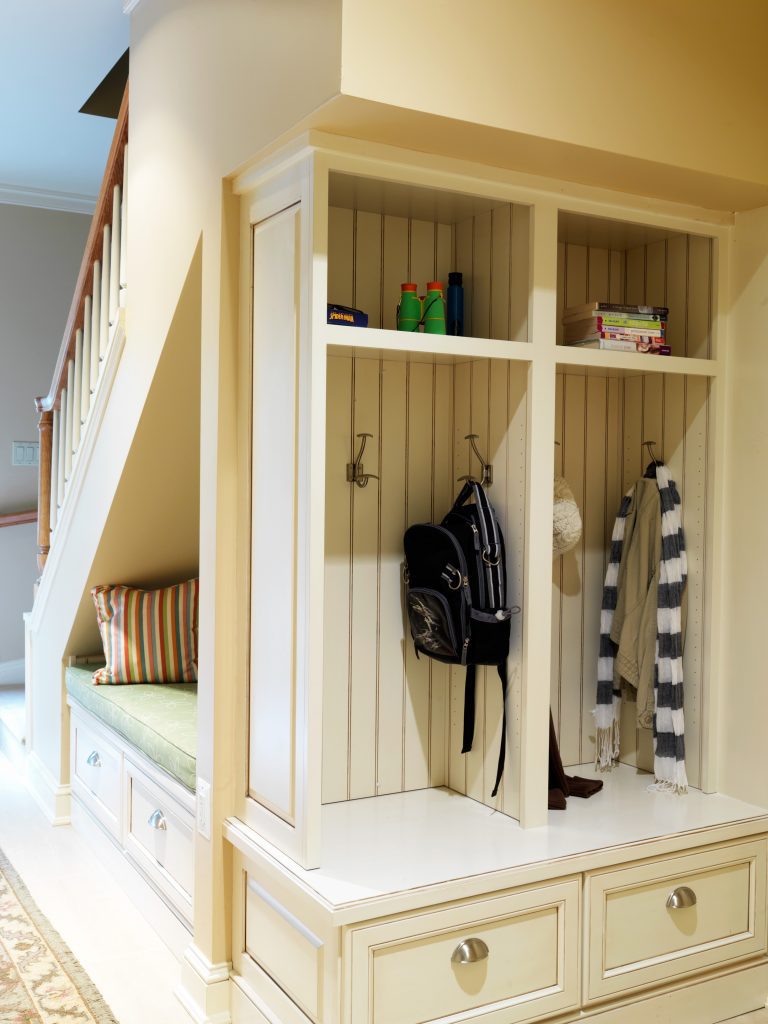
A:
(41, 982)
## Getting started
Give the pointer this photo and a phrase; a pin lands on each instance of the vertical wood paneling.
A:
(341, 256)
(395, 269)
(593, 512)
(365, 589)
(457, 764)
(338, 624)
(463, 239)
(699, 306)
(575, 274)
(560, 302)
(634, 291)
(481, 275)
(597, 275)
(571, 593)
(422, 257)
(677, 287)
(367, 281)
(520, 287)
(392, 627)
(512, 513)
(418, 510)
(500, 303)
(443, 492)
(557, 567)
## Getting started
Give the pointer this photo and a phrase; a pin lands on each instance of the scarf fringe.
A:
(607, 747)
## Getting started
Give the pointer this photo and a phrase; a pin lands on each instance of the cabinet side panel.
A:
(274, 515)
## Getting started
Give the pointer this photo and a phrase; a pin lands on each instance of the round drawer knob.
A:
(93, 759)
(680, 898)
(157, 820)
(470, 951)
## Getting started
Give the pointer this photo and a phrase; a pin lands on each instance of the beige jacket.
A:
(634, 621)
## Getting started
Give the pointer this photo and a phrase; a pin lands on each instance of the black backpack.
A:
(457, 597)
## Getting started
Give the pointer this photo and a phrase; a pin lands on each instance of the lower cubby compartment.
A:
(569, 924)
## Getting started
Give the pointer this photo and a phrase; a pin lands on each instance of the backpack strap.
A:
(490, 537)
(469, 718)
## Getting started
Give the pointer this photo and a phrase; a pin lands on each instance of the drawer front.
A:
(638, 936)
(159, 836)
(97, 769)
(509, 958)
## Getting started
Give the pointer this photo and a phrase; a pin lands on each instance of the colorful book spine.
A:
(629, 321)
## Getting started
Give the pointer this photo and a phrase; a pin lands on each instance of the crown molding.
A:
(45, 199)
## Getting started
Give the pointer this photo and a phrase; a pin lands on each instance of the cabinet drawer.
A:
(637, 937)
(523, 961)
(97, 774)
(159, 836)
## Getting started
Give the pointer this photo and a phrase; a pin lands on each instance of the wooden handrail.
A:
(17, 518)
(113, 175)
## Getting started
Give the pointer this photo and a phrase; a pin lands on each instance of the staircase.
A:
(90, 348)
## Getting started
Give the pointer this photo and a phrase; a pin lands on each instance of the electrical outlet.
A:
(25, 453)
(204, 808)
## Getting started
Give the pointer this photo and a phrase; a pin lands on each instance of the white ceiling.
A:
(53, 54)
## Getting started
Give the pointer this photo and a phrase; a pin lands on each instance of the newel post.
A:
(45, 429)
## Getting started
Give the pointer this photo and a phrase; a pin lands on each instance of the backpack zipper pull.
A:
(464, 651)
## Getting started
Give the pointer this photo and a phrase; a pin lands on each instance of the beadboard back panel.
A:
(371, 254)
(601, 424)
(677, 272)
(392, 721)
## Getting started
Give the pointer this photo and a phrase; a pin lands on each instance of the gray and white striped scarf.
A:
(668, 728)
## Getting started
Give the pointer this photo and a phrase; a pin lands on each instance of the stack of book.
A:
(618, 327)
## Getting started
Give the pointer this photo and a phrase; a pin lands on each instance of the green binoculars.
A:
(427, 311)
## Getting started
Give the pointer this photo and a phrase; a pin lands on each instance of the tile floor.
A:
(133, 969)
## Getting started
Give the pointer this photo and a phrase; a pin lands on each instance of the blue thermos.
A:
(454, 313)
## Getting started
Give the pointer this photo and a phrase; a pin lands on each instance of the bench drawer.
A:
(519, 953)
(637, 936)
(97, 768)
(160, 838)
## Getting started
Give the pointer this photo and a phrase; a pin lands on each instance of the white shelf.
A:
(383, 344)
(574, 359)
(384, 846)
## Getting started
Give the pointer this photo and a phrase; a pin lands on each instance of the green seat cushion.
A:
(160, 720)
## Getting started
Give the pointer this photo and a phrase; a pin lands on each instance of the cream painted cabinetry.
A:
(148, 815)
(367, 847)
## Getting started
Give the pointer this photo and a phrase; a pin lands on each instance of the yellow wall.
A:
(682, 83)
(744, 700)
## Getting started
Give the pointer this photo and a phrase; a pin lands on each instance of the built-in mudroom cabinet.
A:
(376, 881)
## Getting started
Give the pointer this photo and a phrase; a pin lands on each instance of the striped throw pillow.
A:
(149, 636)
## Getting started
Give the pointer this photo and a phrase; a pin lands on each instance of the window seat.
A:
(159, 720)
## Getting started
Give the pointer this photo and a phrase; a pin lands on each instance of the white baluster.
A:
(124, 231)
(76, 393)
(62, 445)
(104, 317)
(114, 258)
(85, 376)
(68, 428)
(54, 469)
(95, 321)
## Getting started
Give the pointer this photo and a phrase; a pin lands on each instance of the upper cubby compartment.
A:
(617, 261)
(383, 233)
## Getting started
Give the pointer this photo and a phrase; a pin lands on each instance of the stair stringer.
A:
(131, 516)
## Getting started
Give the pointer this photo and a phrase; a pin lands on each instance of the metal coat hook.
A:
(486, 478)
(355, 472)
(649, 445)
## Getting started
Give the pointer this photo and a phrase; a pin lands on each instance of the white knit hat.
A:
(566, 521)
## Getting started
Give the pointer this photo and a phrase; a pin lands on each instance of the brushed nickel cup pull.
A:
(680, 898)
(93, 759)
(157, 820)
(470, 951)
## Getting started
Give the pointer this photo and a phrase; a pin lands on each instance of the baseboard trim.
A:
(204, 988)
(53, 798)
